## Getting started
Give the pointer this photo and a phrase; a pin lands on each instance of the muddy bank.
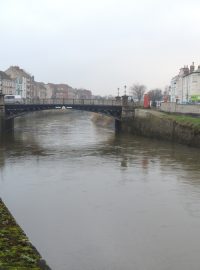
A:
(154, 124)
(103, 120)
(16, 251)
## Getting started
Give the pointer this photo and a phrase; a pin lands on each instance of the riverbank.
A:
(103, 120)
(16, 251)
(171, 127)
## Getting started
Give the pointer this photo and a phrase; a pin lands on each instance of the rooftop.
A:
(4, 76)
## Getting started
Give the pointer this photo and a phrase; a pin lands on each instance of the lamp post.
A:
(118, 98)
(125, 97)
(187, 89)
(125, 90)
(1, 82)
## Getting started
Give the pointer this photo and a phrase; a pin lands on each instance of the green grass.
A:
(193, 122)
(16, 252)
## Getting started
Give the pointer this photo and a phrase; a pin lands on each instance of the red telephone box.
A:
(146, 101)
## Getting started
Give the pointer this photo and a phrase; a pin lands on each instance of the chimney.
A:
(192, 67)
(186, 70)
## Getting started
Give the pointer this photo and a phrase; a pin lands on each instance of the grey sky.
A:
(100, 44)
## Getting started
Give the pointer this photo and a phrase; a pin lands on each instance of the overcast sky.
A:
(100, 44)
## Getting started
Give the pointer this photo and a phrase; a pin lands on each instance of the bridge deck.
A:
(111, 108)
(69, 101)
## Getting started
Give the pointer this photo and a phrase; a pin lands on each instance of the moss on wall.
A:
(16, 252)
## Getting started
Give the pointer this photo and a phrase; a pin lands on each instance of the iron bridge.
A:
(111, 108)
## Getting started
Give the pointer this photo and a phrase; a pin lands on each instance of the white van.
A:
(13, 99)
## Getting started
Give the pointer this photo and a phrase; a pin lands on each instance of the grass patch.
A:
(185, 120)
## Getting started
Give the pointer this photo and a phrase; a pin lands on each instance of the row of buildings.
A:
(16, 81)
(185, 87)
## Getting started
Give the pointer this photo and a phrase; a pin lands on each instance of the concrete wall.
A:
(172, 107)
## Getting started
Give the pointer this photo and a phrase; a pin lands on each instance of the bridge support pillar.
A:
(124, 100)
(5, 125)
(118, 98)
(128, 112)
(9, 125)
(2, 103)
(117, 125)
(2, 124)
(2, 114)
(128, 109)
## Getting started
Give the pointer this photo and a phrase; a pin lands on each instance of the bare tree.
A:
(155, 95)
(138, 90)
(167, 90)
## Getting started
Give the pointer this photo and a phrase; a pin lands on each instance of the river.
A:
(89, 199)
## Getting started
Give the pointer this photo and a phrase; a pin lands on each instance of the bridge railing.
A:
(60, 101)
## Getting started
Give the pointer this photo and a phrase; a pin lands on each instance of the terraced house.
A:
(7, 85)
(24, 82)
(185, 87)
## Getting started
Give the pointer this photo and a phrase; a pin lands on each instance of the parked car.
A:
(13, 99)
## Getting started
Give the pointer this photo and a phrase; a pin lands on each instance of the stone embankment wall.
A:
(172, 107)
(158, 125)
(16, 251)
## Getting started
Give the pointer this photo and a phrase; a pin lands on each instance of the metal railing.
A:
(65, 102)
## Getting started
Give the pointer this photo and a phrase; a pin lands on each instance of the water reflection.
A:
(16, 146)
(29, 139)
(90, 199)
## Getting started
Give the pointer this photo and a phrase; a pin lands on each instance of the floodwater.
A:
(92, 200)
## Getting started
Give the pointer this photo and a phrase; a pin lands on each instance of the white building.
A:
(173, 89)
(185, 86)
(24, 82)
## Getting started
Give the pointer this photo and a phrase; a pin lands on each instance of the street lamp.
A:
(125, 90)
(118, 92)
